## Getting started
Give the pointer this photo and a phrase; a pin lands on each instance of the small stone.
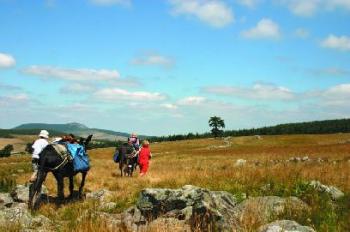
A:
(240, 162)
(285, 226)
(334, 192)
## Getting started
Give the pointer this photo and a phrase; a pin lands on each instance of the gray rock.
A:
(268, 208)
(333, 192)
(100, 195)
(188, 207)
(19, 214)
(240, 162)
(285, 226)
(21, 193)
(107, 206)
(5, 200)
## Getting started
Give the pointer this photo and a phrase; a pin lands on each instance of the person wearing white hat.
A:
(38, 146)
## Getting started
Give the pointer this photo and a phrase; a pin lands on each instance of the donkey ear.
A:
(87, 140)
(81, 141)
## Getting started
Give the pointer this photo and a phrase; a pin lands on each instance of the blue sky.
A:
(164, 67)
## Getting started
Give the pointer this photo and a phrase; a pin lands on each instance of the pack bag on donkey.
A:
(116, 156)
(81, 161)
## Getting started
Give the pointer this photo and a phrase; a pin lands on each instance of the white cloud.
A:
(77, 88)
(341, 43)
(265, 29)
(6, 87)
(14, 100)
(331, 71)
(338, 4)
(155, 60)
(192, 100)
(304, 8)
(249, 3)
(338, 92)
(169, 106)
(72, 74)
(308, 8)
(7, 61)
(301, 33)
(257, 92)
(111, 2)
(334, 99)
(116, 94)
(213, 12)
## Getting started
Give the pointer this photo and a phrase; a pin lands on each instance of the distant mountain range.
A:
(77, 129)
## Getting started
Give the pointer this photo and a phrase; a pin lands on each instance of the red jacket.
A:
(144, 155)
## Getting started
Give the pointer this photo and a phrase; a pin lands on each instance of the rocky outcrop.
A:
(14, 210)
(19, 214)
(285, 226)
(332, 191)
(21, 193)
(187, 208)
(192, 208)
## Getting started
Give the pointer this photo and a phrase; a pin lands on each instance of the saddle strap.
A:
(62, 150)
(64, 162)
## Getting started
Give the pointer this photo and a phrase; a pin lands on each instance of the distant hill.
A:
(74, 128)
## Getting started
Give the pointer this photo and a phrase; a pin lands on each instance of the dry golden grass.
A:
(18, 144)
(199, 162)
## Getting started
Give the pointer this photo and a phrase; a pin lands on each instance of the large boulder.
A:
(285, 226)
(21, 193)
(187, 208)
(265, 209)
(5, 200)
(19, 214)
(332, 191)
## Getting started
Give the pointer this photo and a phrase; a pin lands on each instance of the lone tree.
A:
(216, 123)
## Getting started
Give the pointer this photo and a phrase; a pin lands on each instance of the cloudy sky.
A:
(161, 67)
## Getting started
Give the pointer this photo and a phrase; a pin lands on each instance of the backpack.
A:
(81, 161)
(116, 156)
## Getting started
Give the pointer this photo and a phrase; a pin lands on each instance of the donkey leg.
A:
(121, 168)
(60, 186)
(71, 187)
(83, 176)
(35, 190)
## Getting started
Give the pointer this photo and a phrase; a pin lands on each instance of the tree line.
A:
(314, 127)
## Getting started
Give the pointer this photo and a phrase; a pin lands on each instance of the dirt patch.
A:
(18, 144)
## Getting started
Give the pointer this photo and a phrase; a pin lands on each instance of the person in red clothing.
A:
(144, 157)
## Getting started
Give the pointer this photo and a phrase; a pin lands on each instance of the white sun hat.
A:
(44, 134)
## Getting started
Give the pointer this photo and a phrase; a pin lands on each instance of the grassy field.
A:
(210, 163)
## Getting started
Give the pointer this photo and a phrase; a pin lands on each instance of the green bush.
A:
(6, 151)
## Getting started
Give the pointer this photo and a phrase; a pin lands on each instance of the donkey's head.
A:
(85, 141)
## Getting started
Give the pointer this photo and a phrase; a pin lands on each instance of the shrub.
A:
(6, 151)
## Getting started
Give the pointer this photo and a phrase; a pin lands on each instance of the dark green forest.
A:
(315, 127)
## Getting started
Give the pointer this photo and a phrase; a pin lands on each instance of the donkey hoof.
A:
(82, 196)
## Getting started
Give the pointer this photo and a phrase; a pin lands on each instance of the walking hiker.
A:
(38, 146)
(144, 157)
(134, 141)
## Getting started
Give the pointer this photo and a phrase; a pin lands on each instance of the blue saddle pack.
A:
(80, 159)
